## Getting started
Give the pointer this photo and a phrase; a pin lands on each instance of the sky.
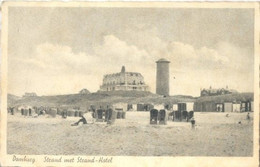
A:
(63, 50)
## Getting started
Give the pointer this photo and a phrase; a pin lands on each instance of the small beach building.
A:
(228, 107)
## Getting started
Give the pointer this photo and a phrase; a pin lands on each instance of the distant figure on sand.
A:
(192, 123)
(248, 116)
(227, 115)
(42, 112)
(64, 114)
(12, 110)
(82, 119)
(87, 118)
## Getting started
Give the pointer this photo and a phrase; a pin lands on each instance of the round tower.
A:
(123, 69)
(162, 77)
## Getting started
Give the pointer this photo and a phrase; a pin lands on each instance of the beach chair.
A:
(153, 116)
(162, 116)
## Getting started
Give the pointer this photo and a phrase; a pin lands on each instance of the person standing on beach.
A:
(192, 123)
(12, 110)
(248, 117)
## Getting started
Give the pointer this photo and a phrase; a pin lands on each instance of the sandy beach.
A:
(214, 135)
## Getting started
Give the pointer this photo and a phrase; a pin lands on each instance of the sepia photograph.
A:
(158, 80)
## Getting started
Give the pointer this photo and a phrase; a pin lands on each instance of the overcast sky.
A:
(63, 50)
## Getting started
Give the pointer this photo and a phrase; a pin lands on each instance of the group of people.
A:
(248, 118)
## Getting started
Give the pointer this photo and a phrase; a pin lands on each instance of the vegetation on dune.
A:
(132, 97)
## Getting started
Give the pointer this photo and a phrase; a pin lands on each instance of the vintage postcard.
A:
(129, 83)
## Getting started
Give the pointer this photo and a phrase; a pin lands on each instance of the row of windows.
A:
(119, 74)
(133, 88)
(123, 83)
(134, 74)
